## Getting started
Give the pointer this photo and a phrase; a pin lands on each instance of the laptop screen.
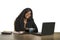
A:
(48, 28)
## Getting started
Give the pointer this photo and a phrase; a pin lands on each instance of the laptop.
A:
(47, 29)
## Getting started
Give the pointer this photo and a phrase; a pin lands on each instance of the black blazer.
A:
(19, 25)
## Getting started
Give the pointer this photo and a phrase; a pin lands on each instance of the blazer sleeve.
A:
(34, 26)
(18, 26)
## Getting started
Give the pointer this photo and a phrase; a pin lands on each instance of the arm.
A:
(18, 26)
(34, 26)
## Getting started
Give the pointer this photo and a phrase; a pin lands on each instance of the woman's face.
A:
(28, 15)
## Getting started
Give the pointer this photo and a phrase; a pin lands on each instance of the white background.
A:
(43, 11)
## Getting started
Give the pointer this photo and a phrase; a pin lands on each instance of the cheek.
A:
(29, 15)
(26, 16)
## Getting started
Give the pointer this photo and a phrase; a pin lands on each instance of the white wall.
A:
(43, 10)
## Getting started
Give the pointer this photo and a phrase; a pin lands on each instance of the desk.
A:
(56, 36)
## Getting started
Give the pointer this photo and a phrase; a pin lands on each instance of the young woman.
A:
(24, 21)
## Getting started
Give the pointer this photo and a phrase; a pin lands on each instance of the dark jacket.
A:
(19, 25)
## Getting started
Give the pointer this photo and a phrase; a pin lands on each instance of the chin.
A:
(27, 17)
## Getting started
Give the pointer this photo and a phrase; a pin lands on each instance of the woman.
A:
(25, 21)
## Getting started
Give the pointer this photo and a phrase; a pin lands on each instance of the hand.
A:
(21, 32)
(16, 32)
(27, 28)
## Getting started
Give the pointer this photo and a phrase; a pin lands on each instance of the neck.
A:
(25, 22)
(25, 19)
